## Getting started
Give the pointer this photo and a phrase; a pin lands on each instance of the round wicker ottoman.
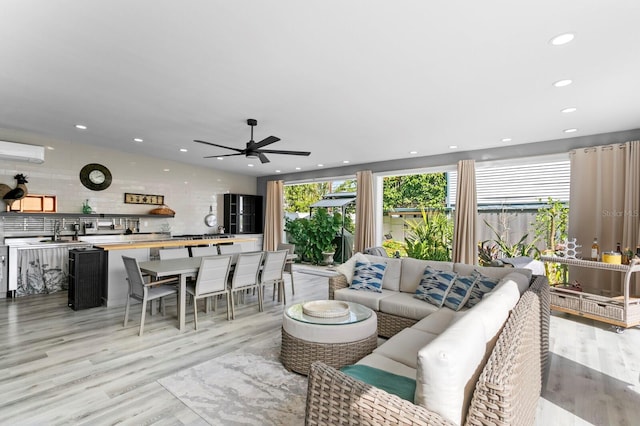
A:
(336, 341)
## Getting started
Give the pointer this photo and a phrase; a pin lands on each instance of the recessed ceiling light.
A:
(561, 39)
(570, 109)
(81, 127)
(320, 165)
(506, 139)
(413, 152)
(50, 148)
(166, 170)
(570, 130)
(250, 165)
(563, 83)
(219, 158)
(453, 146)
(183, 149)
(297, 168)
(277, 171)
(138, 140)
(345, 161)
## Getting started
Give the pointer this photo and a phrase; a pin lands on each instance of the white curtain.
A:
(273, 220)
(604, 204)
(465, 227)
(365, 226)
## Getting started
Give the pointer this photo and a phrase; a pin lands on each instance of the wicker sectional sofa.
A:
(483, 365)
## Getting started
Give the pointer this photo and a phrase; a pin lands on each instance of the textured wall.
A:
(187, 189)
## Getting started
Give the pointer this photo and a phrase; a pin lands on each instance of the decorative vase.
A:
(86, 208)
(328, 257)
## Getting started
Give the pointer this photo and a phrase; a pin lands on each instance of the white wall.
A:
(187, 189)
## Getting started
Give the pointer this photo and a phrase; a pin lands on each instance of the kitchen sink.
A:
(55, 241)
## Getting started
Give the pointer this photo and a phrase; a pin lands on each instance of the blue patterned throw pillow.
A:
(368, 276)
(481, 286)
(434, 285)
(460, 291)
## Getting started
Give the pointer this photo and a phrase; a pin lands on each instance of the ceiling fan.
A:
(253, 148)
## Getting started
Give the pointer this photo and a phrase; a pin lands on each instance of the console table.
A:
(621, 311)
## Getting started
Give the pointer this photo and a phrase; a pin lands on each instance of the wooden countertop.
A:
(169, 243)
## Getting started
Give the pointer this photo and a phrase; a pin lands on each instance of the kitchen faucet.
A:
(56, 230)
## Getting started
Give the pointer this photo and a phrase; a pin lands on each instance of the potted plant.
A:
(314, 236)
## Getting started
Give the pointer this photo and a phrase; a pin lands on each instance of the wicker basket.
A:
(164, 210)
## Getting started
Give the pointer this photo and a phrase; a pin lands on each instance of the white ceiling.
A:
(363, 81)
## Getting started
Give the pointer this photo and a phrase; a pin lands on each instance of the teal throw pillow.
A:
(481, 286)
(460, 291)
(434, 286)
(368, 276)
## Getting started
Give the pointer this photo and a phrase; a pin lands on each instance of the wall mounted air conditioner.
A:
(21, 152)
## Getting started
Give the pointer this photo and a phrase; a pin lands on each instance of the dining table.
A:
(184, 268)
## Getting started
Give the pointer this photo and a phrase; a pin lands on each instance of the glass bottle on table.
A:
(595, 250)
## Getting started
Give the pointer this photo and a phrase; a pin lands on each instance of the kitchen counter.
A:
(169, 243)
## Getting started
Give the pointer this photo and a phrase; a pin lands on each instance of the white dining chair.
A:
(211, 282)
(145, 292)
(204, 251)
(272, 270)
(229, 248)
(246, 276)
(288, 266)
(175, 253)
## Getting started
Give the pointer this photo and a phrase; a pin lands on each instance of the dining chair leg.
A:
(144, 312)
(293, 288)
(126, 311)
(260, 308)
(195, 312)
(233, 313)
(228, 307)
(284, 294)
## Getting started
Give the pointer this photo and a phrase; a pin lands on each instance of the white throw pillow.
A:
(448, 369)
(348, 267)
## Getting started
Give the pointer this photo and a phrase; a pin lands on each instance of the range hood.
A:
(21, 152)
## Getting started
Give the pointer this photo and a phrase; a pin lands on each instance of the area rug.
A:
(247, 387)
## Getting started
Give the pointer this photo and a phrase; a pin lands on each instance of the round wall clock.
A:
(96, 177)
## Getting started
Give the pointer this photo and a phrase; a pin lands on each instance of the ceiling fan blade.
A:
(264, 142)
(219, 146)
(275, 151)
(225, 155)
(263, 158)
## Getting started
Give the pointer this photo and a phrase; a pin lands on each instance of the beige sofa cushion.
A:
(413, 269)
(391, 280)
(406, 306)
(489, 271)
(370, 299)
(438, 321)
(449, 367)
(387, 364)
(403, 347)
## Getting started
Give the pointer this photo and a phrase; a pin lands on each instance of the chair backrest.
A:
(213, 274)
(134, 276)
(176, 253)
(376, 251)
(273, 265)
(230, 248)
(290, 247)
(247, 269)
(204, 251)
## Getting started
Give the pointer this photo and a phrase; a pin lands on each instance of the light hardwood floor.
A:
(59, 366)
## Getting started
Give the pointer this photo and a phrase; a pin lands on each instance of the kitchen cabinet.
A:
(243, 214)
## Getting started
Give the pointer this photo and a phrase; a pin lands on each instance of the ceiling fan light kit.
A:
(254, 149)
